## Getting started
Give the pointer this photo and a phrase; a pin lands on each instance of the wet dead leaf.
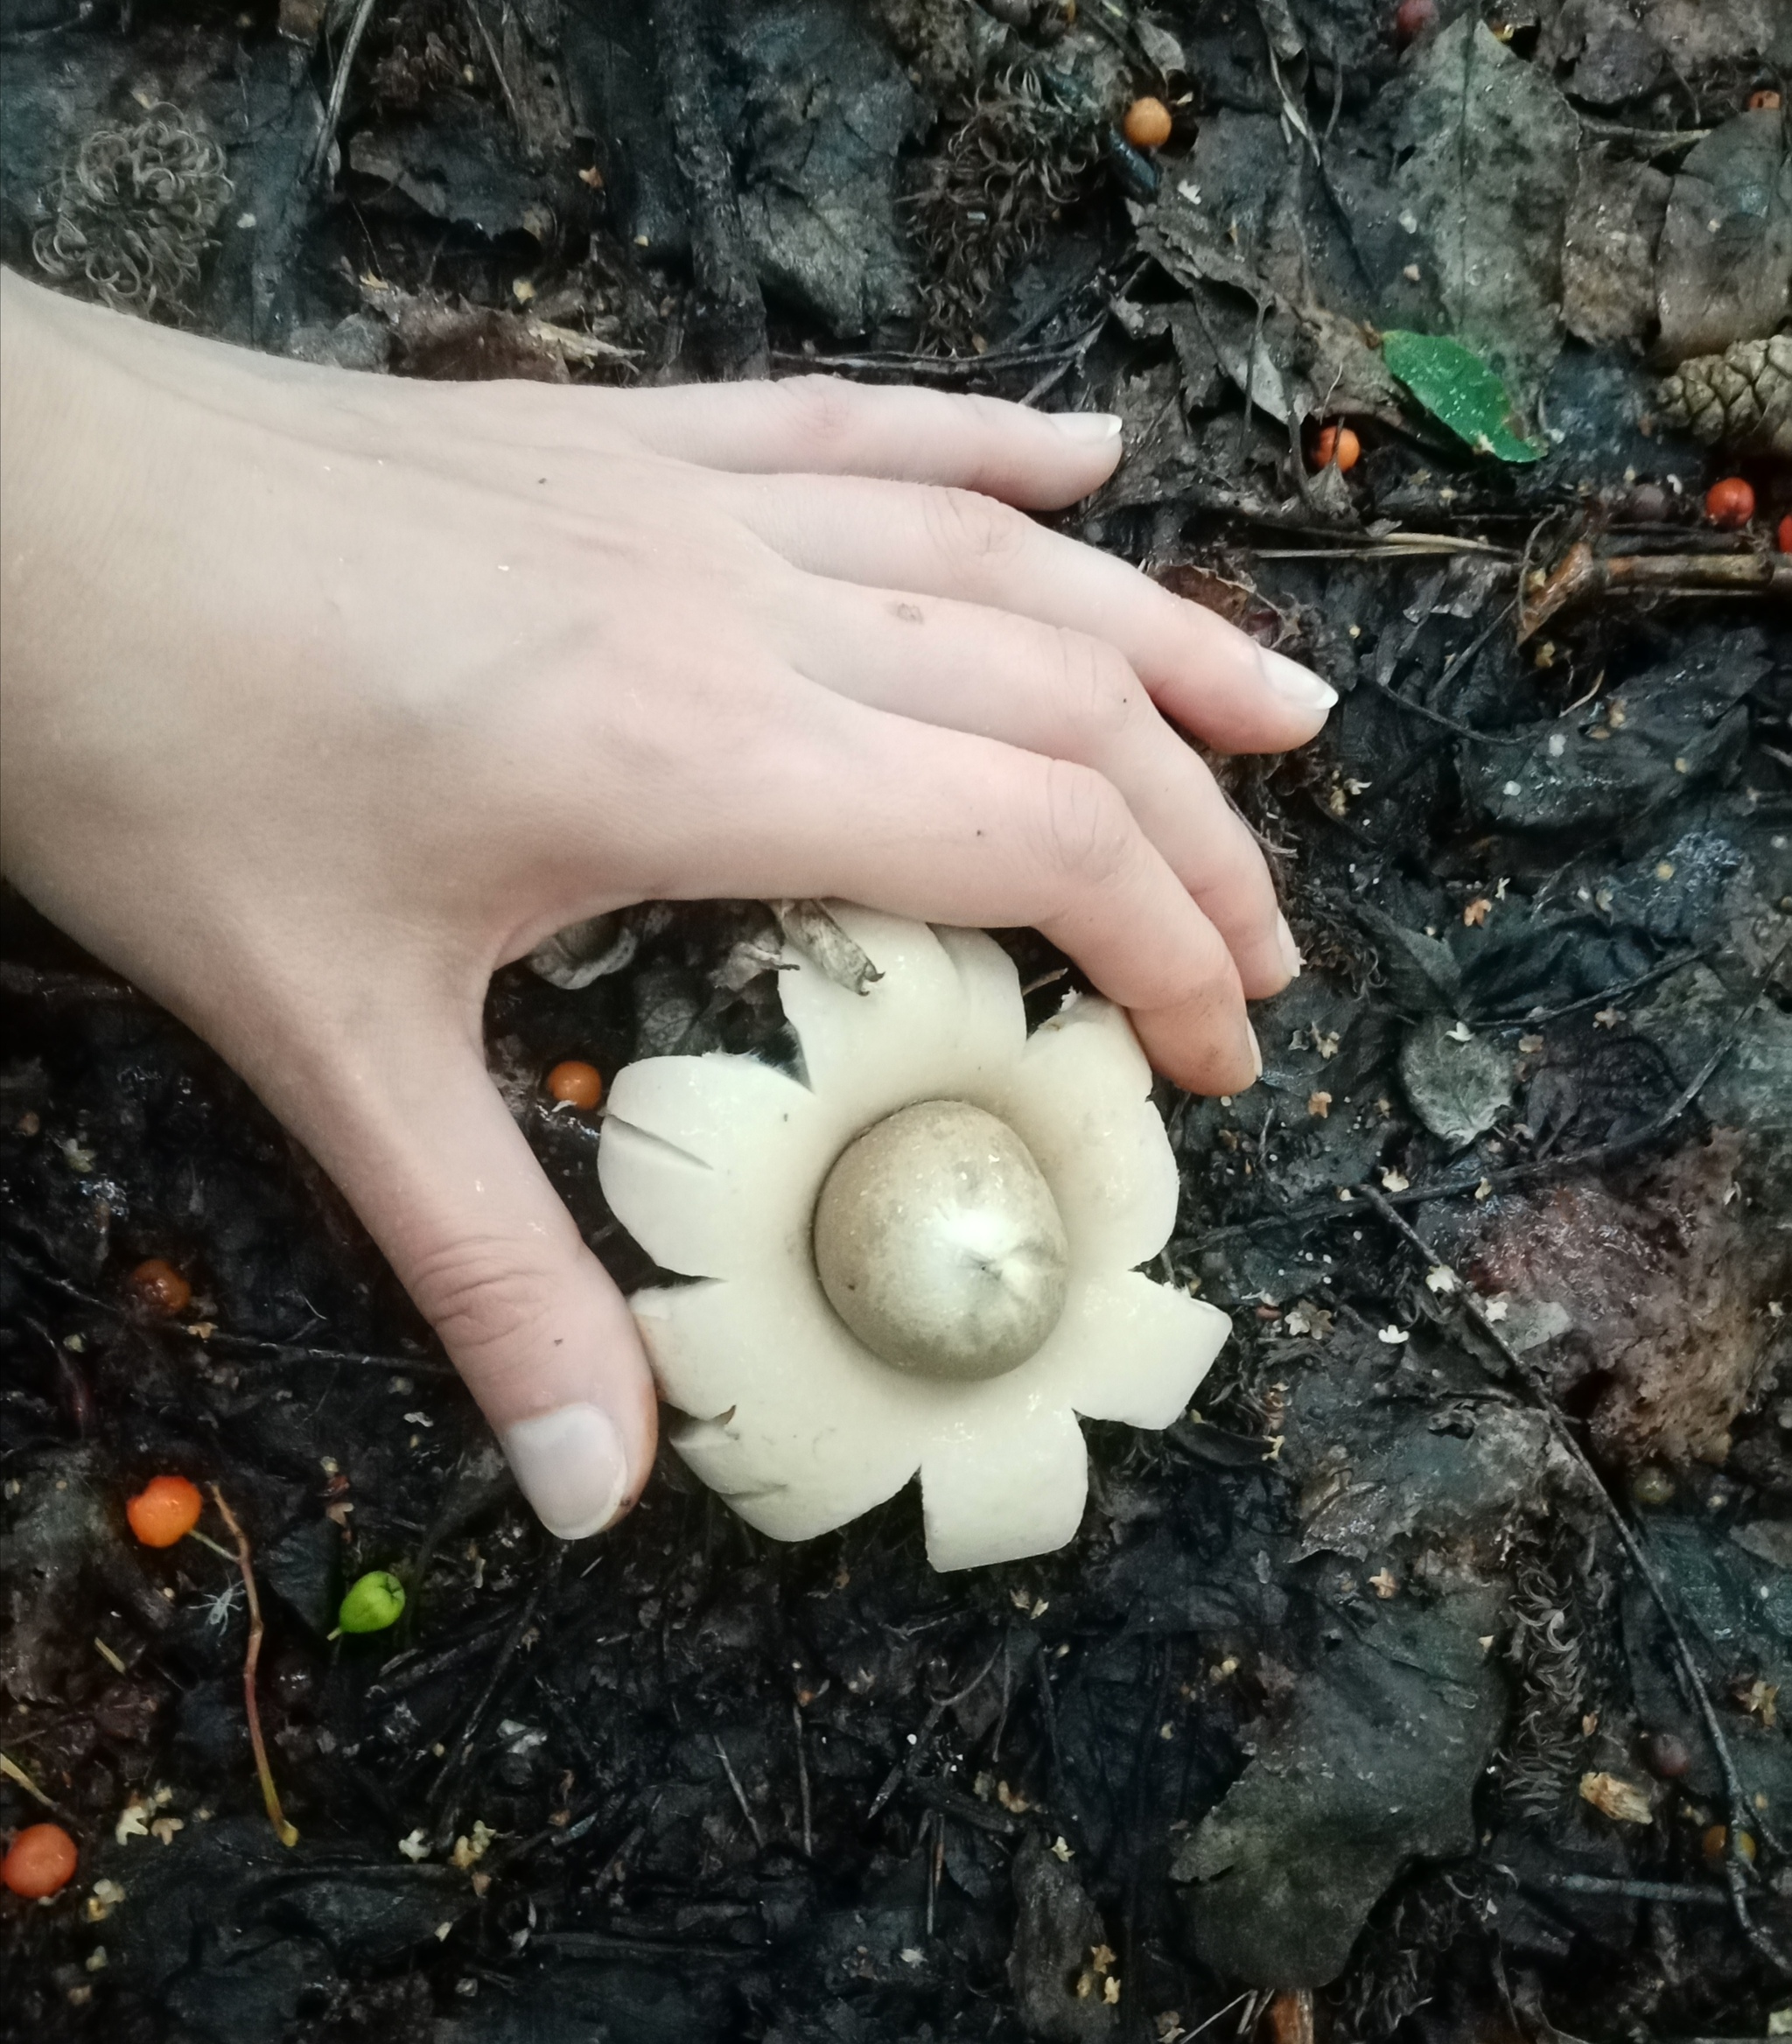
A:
(1492, 147)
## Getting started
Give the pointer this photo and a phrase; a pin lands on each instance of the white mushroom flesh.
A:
(938, 1243)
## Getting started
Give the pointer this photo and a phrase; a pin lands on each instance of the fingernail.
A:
(1098, 426)
(1256, 1053)
(571, 1467)
(1299, 684)
(1289, 949)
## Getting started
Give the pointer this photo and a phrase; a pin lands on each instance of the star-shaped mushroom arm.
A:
(716, 1164)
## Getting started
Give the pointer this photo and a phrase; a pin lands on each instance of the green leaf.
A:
(1454, 385)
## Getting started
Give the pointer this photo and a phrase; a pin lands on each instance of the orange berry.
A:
(1716, 1841)
(165, 1511)
(160, 1286)
(576, 1084)
(1785, 534)
(1730, 502)
(1147, 123)
(1767, 101)
(1336, 444)
(41, 1859)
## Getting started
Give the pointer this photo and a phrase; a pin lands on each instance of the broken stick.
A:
(287, 1833)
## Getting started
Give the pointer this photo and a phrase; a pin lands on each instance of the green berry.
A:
(372, 1604)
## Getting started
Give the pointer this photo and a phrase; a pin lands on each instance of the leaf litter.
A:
(1489, 1500)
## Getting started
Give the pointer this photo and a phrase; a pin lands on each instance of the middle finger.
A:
(1063, 695)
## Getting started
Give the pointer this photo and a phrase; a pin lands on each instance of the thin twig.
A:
(1535, 1017)
(13, 1772)
(1742, 1821)
(1394, 546)
(339, 86)
(1634, 1890)
(1453, 668)
(461, 1752)
(752, 1823)
(1188, 2036)
(492, 58)
(219, 1338)
(948, 366)
(808, 1840)
(936, 1709)
(285, 1833)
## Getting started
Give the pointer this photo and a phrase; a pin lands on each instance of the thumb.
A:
(406, 1121)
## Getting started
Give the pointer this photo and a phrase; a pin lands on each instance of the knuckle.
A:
(824, 410)
(1200, 983)
(1089, 835)
(977, 532)
(1101, 694)
(483, 1296)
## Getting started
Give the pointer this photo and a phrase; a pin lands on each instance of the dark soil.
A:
(1349, 1707)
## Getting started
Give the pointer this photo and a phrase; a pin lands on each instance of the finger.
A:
(399, 1110)
(1066, 696)
(1204, 673)
(833, 798)
(823, 425)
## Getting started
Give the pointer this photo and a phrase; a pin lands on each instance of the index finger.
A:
(823, 425)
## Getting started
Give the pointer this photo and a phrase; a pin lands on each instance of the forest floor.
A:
(1422, 1685)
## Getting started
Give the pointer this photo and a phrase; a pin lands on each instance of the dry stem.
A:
(1581, 572)
(288, 1834)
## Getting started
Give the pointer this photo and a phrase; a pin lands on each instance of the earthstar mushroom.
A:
(920, 1256)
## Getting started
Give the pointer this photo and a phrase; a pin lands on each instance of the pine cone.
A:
(1741, 399)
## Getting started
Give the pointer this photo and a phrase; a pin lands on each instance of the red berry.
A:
(1785, 534)
(165, 1511)
(160, 1286)
(1336, 444)
(1413, 18)
(1730, 502)
(576, 1084)
(41, 1859)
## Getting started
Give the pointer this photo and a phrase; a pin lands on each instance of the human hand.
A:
(326, 695)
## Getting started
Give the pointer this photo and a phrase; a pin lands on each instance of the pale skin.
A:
(326, 694)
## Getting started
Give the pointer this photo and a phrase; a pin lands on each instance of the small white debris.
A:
(1441, 1278)
(1394, 1336)
(415, 1847)
(470, 1848)
(105, 1898)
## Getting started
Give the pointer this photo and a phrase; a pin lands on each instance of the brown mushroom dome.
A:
(938, 1243)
